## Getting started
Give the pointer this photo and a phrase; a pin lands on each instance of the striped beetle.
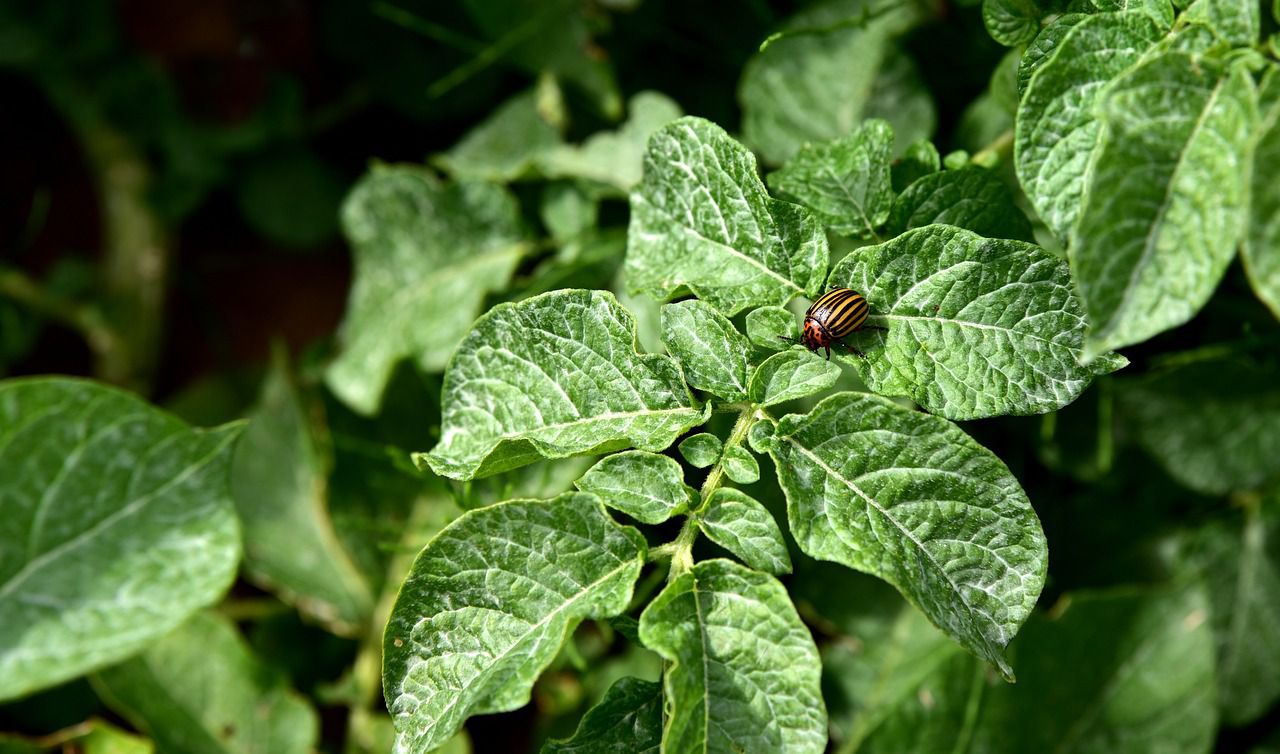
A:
(836, 314)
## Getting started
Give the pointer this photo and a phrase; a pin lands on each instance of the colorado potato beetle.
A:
(836, 314)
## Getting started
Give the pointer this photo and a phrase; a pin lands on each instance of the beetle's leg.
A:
(828, 353)
(788, 339)
(851, 349)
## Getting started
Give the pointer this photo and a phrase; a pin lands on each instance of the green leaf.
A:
(1165, 199)
(614, 158)
(118, 525)
(426, 253)
(740, 524)
(844, 181)
(701, 218)
(504, 146)
(744, 671)
(103, 738)
(279, 481)
(1126, 671)
(628, 719)
(912, 499)
(1237, 22)
(770, 327)
(701, 450)
(1044, 45)
(1057, 128)
(200, 690)
(977, 327)
(292, 197)
(711, 351)
(1213, 425)
(1011, 22)
(554, 376)
(791, 374)
(646, 486)
(972, 197)
(920, 159)
(1161, 11)
(1261, 250)
(488, 603)
(1239, 559)
(740, 465)
(833, 65)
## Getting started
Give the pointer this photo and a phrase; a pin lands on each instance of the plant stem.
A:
(83, 318)
(993, 152)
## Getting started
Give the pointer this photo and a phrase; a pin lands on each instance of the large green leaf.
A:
(1237, 22)
(488, 603)
(845, 181)
(711, 351)
(199, 690)
(740, 524)
(426, 253)
(1213, 425)
(279, 481)
(1056, 128)
(832, 66)
(1261, 251)
(1105, 672)
(1164, 202)
(701, 218)
(912, 499)
(972, 198)
(743, 672)
(553, 376)
(614, 158)
(976, 326)
(118, 524)
(1239, 559)
(628, 720)
(505, 146)
(646, 486)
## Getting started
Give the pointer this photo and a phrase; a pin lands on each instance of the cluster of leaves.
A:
(596, 495)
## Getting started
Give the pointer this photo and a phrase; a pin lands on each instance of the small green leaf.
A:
(279, 481)
(568, 211)
(1057, 128)
(744, 670)
(823, 75)
(1239, 559)
(740, 465)
(1164, 206)
(426, 253)
(628, 719)
(1213, 425)
(701, 450)
(1237, 22)
(844, 181)
(200, 690)
(505, 146)
(488, 603)
(912, 499)
(740, 524)
(977, 327)
(118, 525)
(972, 197)
(791, 374)
(1261, 250)
(554, 376)
(646, 486)
(701, 218)
(920, 159)
(770, 327)
(614, 158)
(1011, 22)
(711, 351)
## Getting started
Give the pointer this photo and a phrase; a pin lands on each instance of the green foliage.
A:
(105, 497)
(644, 510)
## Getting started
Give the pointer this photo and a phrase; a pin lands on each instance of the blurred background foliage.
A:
(169, 222)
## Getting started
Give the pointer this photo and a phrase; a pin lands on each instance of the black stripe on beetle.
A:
(836, 314)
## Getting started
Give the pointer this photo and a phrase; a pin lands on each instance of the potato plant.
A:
(567, 459)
